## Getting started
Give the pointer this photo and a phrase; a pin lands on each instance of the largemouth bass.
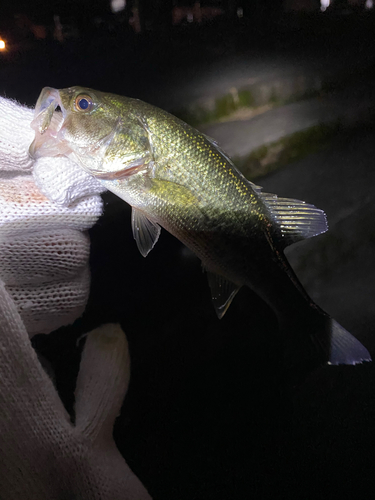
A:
(177, 178)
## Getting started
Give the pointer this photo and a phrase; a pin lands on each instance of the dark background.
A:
(209, 413)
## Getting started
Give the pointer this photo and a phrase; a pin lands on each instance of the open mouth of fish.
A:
(49, 117)
(50, 123)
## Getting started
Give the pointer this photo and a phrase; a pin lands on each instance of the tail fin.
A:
(345, 349)
(322, 340)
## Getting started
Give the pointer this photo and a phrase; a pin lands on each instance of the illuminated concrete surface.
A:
(348, 108)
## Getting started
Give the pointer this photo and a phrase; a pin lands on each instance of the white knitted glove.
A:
(44, 246)
(44, 283)
(43, 455)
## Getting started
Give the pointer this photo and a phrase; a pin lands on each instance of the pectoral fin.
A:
(145, 232)
(222, 292)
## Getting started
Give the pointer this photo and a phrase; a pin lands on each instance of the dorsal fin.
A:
(145, 232)
(222, 292)
(296, 219)
(217, 146)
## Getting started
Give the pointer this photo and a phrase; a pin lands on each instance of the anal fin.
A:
(222, 292)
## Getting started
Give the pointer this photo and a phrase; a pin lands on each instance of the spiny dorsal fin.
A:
(145, 232)
(216, 145)
(296, 219)
(222, 292)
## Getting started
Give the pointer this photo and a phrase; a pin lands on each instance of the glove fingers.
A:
(102, 381)
(48, 306)
(25, 391)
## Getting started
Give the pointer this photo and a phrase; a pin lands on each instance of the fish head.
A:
(99, 131)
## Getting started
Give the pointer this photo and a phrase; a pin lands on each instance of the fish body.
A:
(177, 178)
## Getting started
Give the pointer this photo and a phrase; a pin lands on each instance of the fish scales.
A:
(201, 169)
(177, 178)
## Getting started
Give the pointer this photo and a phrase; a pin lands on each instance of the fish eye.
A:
(83, 102)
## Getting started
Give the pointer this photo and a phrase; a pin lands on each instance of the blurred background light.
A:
(324, 4)
(118, 5)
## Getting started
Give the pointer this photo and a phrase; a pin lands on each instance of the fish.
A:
(177, 178)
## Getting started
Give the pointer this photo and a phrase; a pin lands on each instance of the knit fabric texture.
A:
(44, 245)
(44, 284)
(43, 455)
(15, 136)
(64, 182)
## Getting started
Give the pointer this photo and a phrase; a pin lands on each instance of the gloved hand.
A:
(43, 455)
(44, 284)
(44, 245)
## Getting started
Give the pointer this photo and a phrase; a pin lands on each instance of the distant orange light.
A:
(2, 45)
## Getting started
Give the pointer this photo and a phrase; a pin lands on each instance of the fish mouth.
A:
(52, 138)
(47, 123)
